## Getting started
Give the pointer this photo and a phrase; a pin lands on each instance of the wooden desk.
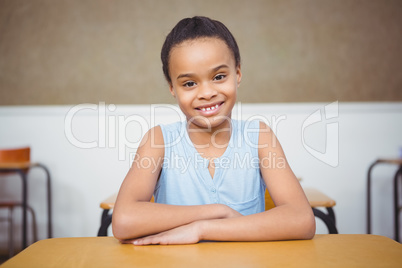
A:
(322, 251)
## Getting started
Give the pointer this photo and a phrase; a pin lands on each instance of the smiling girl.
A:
(220, 193)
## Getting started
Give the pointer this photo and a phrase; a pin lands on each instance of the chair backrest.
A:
(15, 155)
(109, 202)
(269, 203)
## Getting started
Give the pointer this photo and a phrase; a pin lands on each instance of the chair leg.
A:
(11, 228)
(49, 201)
(34, 227)
(327, 220)
(398, 176)
(24, 207)
(331, 214)
(106, 220)
(10, 232)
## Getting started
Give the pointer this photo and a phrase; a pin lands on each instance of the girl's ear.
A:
(171, 90)
(238, 74)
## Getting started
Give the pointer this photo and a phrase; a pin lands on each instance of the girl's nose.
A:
(207, 92)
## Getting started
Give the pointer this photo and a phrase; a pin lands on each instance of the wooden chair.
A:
(396, 185)
(315, 198)
(10, 205)
(18, 161)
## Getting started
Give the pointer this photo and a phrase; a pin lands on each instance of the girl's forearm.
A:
(145, 218)
(280, 223)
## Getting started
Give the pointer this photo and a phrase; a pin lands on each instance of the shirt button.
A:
(213, 190)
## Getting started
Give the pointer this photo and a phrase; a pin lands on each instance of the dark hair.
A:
(193, 28)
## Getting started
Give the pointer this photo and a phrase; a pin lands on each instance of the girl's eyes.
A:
(192, 83)
(219, 77)
(189, 84)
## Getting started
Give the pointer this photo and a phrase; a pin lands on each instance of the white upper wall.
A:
(355, 134)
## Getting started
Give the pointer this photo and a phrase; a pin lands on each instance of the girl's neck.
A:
(215, 137)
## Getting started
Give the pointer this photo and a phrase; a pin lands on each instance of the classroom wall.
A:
(297, 57)
(87, 150)
(73, 51)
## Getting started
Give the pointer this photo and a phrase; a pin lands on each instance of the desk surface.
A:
(397, 161)
(322, 251)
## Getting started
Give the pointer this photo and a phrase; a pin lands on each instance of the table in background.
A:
(332, 250)
(315, 198)
(397, 208)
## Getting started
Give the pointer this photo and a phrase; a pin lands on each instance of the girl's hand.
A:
(186, 234)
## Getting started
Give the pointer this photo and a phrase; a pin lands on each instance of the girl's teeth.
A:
(210, 108)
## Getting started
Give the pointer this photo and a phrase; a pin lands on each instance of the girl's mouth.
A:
(208, 110)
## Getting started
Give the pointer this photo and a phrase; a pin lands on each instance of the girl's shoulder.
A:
(153, 137)
(173, 132)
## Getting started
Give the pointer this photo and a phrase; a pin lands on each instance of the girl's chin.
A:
(209, 122)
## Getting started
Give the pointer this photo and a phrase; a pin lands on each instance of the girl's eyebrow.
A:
(184, 75)
(213, 70)
(219, 67)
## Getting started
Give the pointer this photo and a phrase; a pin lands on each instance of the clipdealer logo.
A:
(112, 127)
(328, 115)
(111, 132)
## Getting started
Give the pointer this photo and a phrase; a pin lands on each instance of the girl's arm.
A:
(134, 216)
(292, 218)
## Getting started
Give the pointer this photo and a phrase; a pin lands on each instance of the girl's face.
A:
(204, 81)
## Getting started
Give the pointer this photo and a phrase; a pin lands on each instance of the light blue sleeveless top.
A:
(237, 180)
